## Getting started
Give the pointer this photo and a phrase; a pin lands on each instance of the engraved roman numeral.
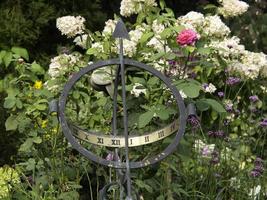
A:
(131, 141)
(100, 140)
(115, 142)
(161, 134)
(147, 139)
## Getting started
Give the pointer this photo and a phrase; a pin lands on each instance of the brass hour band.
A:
(119, 141)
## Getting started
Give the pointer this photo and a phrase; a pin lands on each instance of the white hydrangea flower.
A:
(109, 27)
(70, 25)
(192, 20)
(209, 88)
(81, 41)
(251, 64)
(214, 27)
(138, 89)
(129, 7)
(158, 44)
(59, 64)
(228, 47)
(232, 8)
(135, 35)
(98, 46)
(157, 27)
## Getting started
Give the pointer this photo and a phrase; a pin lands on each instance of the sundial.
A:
(120, 141)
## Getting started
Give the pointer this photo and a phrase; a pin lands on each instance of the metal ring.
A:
(134, 164)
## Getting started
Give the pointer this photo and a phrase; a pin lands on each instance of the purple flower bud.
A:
(219, 134)
(233, 81)
(205, 85)
(172, 62)
(193, 120)
(253, 98)
(229, 107)
(220, 94)
(211, 133)
(192, 75)
(255, 173)
(263, 123)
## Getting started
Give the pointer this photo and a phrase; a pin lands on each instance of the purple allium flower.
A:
(220, 94)
(110, 156)
(253, 98)
(263, 123)
(219, 134)
(229, 107)
(255, 173)
(172, 62)
(233, 81)
(193, 120)
(210, 133)
(192, 75)
(215, 157)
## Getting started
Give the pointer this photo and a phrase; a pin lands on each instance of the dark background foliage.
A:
(32, 25)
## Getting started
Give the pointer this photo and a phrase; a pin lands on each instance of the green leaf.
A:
(190, 89)
(37, 140)
(11, 123)
(2, 54)
(190, 49)
(203, 50)
(202, 105)
(216, 105)
(145, 118)
(145, 37)
(91, 51)
(9, 102)
(36, 68)
(7, 58)
(163, 114)
(21, 52)
(40, 106)
(26, 146)
(166, 33)
(157, 55)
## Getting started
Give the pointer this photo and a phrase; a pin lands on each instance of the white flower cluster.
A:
(130, 46)
(109, 27)
(250, 65)
(157, 27)
(70, 25)
(229, 47)
(232, 8)
(214, 27)
(192, 20)
(205, 150)
(129, 7)
(60, 64)
(138, 89)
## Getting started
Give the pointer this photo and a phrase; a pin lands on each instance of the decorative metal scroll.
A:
(75, 134)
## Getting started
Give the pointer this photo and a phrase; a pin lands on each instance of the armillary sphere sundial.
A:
(115, 140)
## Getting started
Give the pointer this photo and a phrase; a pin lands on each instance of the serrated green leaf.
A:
(11, 123)
(21, 52)
(145, 118)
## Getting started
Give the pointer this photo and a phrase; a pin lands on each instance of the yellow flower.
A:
(38, 85)
(44, 123)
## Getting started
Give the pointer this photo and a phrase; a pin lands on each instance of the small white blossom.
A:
(138, 89)
(209, 88)
(70, 25)
(214, 27)
(232, 8)
(158, 44)
(157, 27)
(98, 46)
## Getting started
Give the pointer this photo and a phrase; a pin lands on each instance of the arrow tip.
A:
(121, 31)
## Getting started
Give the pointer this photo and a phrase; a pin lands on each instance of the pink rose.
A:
(187, 37)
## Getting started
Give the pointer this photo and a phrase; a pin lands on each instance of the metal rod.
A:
(125, 122)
